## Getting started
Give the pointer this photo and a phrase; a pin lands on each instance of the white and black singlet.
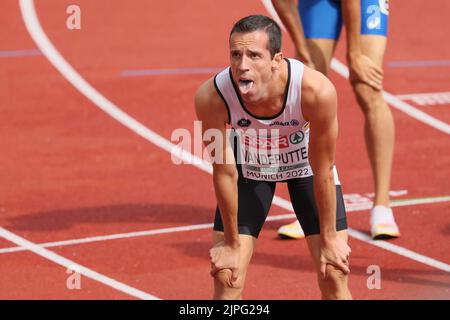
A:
(270, 150)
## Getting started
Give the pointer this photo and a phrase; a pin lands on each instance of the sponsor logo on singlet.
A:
(296, 137)
(266, 143)
(244, 123)
(293, 123)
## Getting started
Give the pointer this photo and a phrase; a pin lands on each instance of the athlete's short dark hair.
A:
(260, 22)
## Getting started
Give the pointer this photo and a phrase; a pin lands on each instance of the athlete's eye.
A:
(235, 54)
(254, 55)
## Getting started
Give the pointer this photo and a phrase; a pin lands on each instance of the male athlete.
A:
(314, 27)
(284, 119)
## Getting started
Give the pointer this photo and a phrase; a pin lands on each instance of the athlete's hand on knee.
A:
(225, 257)
(335, 252)
(363, 69)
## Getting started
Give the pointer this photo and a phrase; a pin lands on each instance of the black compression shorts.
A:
(255, 198)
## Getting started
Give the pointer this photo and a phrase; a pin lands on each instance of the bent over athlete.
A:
(285, 124)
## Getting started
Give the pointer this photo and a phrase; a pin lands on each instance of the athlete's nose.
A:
(243, 64)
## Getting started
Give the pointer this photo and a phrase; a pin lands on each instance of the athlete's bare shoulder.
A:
(209, 106)
(319, 96)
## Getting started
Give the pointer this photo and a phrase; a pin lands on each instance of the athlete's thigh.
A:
(322, 24)
(321, 19)
(374, 47)
(254, 201)
(301, 192)
(374, 29)
(321, 51)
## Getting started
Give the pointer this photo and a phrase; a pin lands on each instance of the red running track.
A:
(70, 171)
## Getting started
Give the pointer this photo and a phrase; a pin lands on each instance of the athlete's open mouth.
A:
(245, 85)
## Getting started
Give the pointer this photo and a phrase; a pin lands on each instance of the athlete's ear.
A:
(277, 60)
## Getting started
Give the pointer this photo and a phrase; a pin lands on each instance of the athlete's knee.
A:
(334, 285)
(225, 288)
(368, 98)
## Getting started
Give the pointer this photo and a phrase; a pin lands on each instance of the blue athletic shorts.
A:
(323, 18)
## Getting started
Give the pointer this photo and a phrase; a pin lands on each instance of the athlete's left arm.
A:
(289, 15)
(319, 107)
(362, 68)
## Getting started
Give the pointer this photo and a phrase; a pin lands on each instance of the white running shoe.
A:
(382, 223)
(292, 230)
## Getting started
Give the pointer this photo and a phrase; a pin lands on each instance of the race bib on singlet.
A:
(270, 156)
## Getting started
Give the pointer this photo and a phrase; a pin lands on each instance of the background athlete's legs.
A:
(223, 289)
(379, 124)
(321, 51)
(379, 136)
(378, 130)
(335, 285)
(322, 23)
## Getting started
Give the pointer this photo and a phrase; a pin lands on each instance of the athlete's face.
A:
(252, 66)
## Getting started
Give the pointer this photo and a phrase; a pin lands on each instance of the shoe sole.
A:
(289, 236)
(385, 236)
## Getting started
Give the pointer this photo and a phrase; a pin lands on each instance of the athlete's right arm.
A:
(288, 13)
(212, 111)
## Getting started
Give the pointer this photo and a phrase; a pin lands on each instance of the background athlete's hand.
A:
(225, 257)
(336, 252)
(305, 58)
(363, 69)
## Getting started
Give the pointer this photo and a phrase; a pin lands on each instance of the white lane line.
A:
(401, 251)
(113, 237)
(19, 53)
(67, 71)
(398, 203)
(389, 246)
(342, 69)
(51, 53)
(56, 258)
(418, 63)
(34, 28)
(427, 98)
(177, 71)
(350, 208)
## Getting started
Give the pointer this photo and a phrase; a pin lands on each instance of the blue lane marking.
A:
(418, 63)
(20, 53)
(178, 71)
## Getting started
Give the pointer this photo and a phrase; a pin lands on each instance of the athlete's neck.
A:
(272, 102)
